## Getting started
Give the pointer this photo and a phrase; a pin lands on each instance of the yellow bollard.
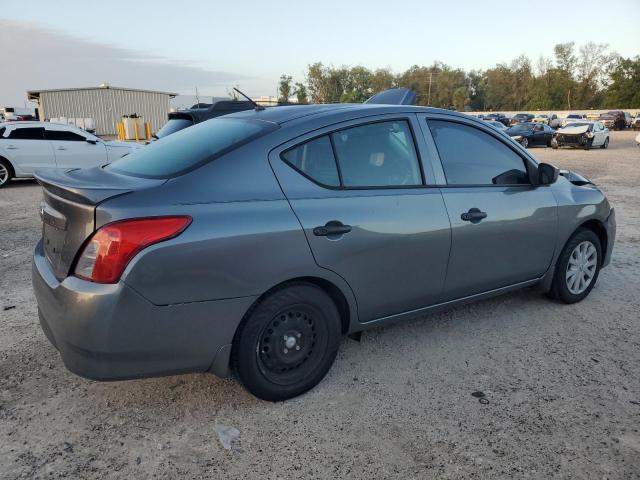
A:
(147, 130)
(135, 129)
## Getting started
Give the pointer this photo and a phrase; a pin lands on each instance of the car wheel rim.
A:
(581, 268)
(4, 174)
(525, 142)
(290, 345)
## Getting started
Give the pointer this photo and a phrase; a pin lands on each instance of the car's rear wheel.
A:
(6, 172)
(606, 143)
(577, 268)
(288, 342)
(554, 144)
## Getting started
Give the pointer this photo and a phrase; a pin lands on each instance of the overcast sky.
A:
(178, 45)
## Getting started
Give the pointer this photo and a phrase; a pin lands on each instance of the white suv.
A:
(29, 146)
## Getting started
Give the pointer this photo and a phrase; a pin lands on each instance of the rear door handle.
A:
(61, 148)
(11, 147)
(331, 228)
(474, 215)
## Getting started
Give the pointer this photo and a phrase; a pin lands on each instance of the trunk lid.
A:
(68, 208)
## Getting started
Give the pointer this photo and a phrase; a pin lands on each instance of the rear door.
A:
(72, 149)
(28, 150)
(503, 228)
(359, 192)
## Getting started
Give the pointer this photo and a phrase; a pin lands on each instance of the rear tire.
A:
(288, 342)
(6, 172)
(606, 143)
(577, 268)
(554, 144)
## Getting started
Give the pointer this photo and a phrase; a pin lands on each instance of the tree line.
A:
(590, 76)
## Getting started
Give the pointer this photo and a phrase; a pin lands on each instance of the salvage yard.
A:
(556, 387)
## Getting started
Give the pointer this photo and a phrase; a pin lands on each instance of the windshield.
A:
(172, 126)
(523, 127)
(190, 148)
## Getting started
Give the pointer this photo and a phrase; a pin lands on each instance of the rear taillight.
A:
(109, 250)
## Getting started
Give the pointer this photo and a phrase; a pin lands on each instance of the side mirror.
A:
(91, 141)
(547, 174)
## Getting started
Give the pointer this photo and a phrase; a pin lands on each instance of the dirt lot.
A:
(563, 384)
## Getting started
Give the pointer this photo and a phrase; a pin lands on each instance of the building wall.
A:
(106, 106)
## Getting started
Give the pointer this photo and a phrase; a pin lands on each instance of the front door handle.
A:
(11, 147)
(474, 215)
(61, 148)
(332, 228)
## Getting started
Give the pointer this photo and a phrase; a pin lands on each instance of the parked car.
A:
(499, 117)
(627, 119)
(251, 242)
(582, 134)
(541, 118)
(521, 118)
(607, 120)
(531, 134)
(199, 113)
(571, 118)
(620, 121)
(28, 146)
(636, 122)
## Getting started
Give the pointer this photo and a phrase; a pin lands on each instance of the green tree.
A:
(624, 89)
(301, 93)
(285, 88)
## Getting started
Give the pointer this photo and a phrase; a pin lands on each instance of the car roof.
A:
(284, 114)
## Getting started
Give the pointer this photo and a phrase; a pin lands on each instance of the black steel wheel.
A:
(288, 342)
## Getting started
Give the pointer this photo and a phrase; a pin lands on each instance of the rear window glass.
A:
(191, 147)
(172, 126)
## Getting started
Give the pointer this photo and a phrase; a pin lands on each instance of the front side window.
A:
(27, 134)
(63, 135)
(471, 156)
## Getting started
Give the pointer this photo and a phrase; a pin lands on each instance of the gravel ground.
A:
(562, 384)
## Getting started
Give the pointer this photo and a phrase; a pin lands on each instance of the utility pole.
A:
(429, 96)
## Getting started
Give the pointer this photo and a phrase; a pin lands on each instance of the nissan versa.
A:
(250, 243)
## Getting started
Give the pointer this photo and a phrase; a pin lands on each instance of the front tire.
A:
(288, 342)
(524, 142)
(554, 144)
(6, 172)
(577, 268)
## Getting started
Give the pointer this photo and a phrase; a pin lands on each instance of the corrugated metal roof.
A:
(34, 94)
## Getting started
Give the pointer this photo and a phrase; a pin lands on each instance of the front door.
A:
(360, 196)
(72, 149)
(503, 228)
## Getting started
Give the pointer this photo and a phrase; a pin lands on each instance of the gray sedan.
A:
(250, 243)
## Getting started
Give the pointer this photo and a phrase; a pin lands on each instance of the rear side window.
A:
(190, 148)
(315, 159)
(379, 154)
(27, 134)
(63, 135)
(472, 157)
(172, 126)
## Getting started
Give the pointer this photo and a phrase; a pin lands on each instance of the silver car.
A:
(250, 243)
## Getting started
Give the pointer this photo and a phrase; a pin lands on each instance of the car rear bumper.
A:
(610, 225)
(110, 332)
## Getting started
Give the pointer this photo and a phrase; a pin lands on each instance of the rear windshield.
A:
(172, 126)
(190, 148)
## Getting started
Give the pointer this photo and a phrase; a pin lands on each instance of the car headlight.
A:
(517, 137)
(589, 134)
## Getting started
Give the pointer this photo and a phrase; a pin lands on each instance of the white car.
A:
(582, 134)
(29, 146)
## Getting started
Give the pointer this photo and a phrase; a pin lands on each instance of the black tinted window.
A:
(172, 126)
(63, 135)
(473, 157)
(190, 148)
(27, 134)
(315, 159)
(377, 155)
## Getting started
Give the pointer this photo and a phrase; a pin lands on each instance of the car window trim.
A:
(529, 163)
(329, 133)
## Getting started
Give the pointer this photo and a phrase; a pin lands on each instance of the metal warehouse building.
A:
(105, 104)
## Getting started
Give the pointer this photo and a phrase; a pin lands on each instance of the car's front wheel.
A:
(606, 143)
(5, 172)
(288, 342)
(554, 144)
(578, 267)
(524, 142)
